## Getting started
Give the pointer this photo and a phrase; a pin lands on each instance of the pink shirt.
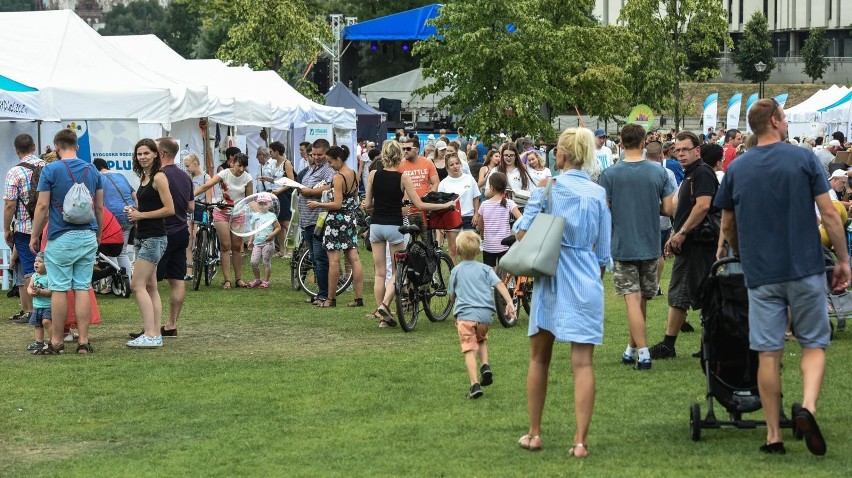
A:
(495, 224)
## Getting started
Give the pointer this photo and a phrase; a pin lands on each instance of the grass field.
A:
(260, 384)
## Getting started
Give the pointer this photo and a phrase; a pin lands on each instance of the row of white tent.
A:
(69, 71)
(825, 112)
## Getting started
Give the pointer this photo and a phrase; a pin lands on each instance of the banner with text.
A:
(113, 141)
(749, 103)
(734, 107)
(711, 105)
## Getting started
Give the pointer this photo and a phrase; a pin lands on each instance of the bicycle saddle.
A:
(410, 229)
(508, 241)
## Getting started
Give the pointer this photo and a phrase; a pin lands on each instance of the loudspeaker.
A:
(393, 108)
(321, 75)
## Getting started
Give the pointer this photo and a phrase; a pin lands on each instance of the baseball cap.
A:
(441, 145)
(834, 143)
(599, 133)
(838, 174)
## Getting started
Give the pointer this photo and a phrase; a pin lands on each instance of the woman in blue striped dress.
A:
(569, 307)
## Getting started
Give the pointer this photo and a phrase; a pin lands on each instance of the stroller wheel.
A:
(121, 286)
(695, 421)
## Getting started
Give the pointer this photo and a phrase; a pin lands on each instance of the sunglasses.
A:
(407, 148)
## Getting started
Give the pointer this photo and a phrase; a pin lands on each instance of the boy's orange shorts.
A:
(471, 334)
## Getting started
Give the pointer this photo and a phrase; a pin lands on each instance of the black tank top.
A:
(149, 200)
(387, 198)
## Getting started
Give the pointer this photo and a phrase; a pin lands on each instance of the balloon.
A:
(254, 214)
(823, 234)
(841, 209)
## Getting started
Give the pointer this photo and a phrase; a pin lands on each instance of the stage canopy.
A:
(407, 25)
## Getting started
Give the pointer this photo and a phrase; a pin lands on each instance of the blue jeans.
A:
(320, 260)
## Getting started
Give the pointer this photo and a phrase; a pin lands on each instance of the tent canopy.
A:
(343, 97)
(18, 101)
(399, 87)
(78, 75)
(407, 25)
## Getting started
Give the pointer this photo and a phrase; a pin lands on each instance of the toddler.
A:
(39, 289)
(264, 241)
(471, 285)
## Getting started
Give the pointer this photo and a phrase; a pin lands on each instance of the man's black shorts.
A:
(173, 263)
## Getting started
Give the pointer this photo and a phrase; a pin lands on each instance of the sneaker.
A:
(487, 377)
(187, 277)
(628, 359)
(145, 342)
(35, 346)
(133, 335)
(17, 315)
(254, 283)
(70, 337)
(687, 327)
(13, 292)
(24, 319)
(642, 365)
(659, 291)
(168, 332)
(662, 351)
(475, 391)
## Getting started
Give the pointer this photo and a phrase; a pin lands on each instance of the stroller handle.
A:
(723, 262)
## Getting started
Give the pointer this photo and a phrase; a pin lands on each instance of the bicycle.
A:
(205, 252)
(520, 289)
(422, 277)
(306, 275)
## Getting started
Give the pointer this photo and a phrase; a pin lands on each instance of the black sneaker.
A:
(642, 365)
(485, 372)
(628, 359)
(16, 316)
(774, 448)
(23, 319)
(13, 292)
(475, 391)
(662, 351)
(136, 336)
(687, 327)
(168, 333)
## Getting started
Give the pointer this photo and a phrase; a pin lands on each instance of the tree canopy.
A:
(755, 47)
(813, 54)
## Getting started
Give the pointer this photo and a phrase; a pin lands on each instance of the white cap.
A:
(441, 145)
(834, 143)
(839, 174)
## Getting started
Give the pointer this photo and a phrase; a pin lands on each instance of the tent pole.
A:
(38, 123)
(208, 155)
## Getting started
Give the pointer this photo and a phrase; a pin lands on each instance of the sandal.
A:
(530, 442)
(375, 315)
(49, 349)
(384, 324)
(386, 315)
(226, 284)
(356, 303)
(84, 349)
(328, 303)
(579, 446)
(241, 283)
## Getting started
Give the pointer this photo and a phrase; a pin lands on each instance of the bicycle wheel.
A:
(526, 294)
(307, 277)
(198, 257)
(345, 279)
(500, 304)
(407, 298)
(213, 257)
(437, 302)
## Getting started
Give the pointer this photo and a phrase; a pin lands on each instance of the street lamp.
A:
(760, 67)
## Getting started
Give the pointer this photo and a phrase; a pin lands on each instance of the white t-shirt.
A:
(604, 155)
(537, 176)
(233, 187)
(465, 186)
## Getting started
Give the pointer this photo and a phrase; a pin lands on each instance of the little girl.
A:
(493, 217)
(264, 242)
(199, 177)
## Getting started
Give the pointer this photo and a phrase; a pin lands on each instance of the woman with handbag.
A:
(569, 306)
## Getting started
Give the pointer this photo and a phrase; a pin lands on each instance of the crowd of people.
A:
(628, 204)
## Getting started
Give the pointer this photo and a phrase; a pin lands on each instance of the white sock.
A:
(630, 351)
(644, 354)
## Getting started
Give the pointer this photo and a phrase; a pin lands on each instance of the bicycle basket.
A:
(421, 265)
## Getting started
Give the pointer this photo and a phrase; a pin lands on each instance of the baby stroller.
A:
(726, 359)
(107, 274)
(839, 304)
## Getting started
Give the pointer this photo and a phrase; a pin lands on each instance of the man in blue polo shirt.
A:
(783, 263)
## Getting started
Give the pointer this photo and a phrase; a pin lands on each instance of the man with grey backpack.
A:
(70, 204)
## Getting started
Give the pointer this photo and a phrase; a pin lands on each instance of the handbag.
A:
(537, 254)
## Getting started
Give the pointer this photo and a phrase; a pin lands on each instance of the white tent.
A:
(78, 75)
(400, 87)
(820, 114)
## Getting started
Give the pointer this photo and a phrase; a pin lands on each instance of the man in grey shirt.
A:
(638, 192)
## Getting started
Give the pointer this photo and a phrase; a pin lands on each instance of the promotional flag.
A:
(781, 99)
(751, 100)
(734, 106)
(710, 106)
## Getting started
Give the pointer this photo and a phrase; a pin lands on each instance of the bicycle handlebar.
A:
(211, 205)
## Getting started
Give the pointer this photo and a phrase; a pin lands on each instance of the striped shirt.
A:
(315, 175)
(17, 188)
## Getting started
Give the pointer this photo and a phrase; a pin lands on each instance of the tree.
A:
(674, 40)
(813, 54)
(140, 17)
(503, 63)
(755, 47)
(179, 29)
(16, 5)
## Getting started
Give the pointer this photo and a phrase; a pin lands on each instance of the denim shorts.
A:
(70, 260)
(151, 249)
(767, 313)
(38, 315)
(385, 233)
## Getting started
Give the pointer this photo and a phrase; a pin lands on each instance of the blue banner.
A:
(751, 101)
(733, 116)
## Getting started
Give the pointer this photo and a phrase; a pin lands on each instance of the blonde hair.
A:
(50, 157)
(467, 243)
(578, 144)
(391, 154)
(528, 155)
(192, 157)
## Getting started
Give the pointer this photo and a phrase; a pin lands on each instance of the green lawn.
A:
(260, 384)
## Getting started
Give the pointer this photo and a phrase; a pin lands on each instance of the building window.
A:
(830, 8)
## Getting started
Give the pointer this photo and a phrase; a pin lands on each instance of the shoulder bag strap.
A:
(116, 188)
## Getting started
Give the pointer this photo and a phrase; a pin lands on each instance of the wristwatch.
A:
(682, 231)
